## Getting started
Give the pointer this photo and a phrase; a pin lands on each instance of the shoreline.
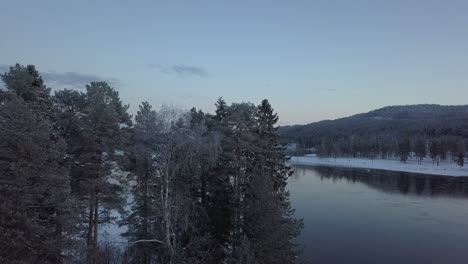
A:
(412, 166)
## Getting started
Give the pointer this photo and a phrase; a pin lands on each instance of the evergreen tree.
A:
(69, 107)
(434, 151)
(142, 222)
(269, 210)
(33, 180)
(26, 83)
(205, 188)
(33, 188)
(218, 180)
(202, 183)
(238, 152)
(221, 110)
(460, 159)
(99, 119)
(404, 148)
(420, 149)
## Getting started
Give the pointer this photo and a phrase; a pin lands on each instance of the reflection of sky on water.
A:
(361, 216)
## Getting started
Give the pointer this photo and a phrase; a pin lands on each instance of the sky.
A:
(312, 60)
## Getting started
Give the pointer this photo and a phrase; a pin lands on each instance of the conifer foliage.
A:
(33, 180)
(197, 187)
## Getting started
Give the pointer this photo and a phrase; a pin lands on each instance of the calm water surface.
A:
(370, 216)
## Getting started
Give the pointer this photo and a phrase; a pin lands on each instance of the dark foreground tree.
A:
(33, 181)
(93, 125)
(143, 222)
(104, 121)
(271, 226)
(205, 188)
(27, 84)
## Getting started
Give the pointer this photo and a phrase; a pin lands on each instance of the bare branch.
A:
(146, 241)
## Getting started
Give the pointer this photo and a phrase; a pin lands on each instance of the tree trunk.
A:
(167, 225)
(146, 216)
(90, 229)
(96, 223)
(236, 212)
(203, 188)
(58, 233)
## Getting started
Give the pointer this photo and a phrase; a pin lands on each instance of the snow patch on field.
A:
(445, 168)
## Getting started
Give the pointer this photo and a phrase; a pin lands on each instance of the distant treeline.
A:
(203, 188)
(444, 148)
(424, 130)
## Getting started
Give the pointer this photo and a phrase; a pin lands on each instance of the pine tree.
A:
(26, 83)
(238, 152)
(221, 110)
(404, 148)
(142, 222)
(420, 149)
(69, 107)
(33, 188)
(460, 159)
(197, 180)
(99, 120)
(271, 226)
(33, 181)
(434, 151)
(206, 188)
(218, 180)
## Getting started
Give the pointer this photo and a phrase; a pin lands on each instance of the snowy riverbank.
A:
(445, 168)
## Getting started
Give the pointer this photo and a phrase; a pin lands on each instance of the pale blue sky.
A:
(313, 60)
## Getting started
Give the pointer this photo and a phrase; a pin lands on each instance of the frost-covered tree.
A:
(253, 161)
(34, 184)
(106, 119)
(238, 152)
(143, 221)
(269, 210)
(205, 188)
(93, 124)
(27, 83)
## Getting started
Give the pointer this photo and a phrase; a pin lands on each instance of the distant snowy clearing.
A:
(445, 168)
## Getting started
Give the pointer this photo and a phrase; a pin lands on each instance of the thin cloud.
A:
(181, 70)
(326, 90)
(74, 80)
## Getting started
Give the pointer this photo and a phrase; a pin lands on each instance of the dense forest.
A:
(191, 187)
(434, 131)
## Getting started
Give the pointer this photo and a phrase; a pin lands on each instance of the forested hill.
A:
(392, 122)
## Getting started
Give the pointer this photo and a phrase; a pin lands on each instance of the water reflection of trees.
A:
(388, 181)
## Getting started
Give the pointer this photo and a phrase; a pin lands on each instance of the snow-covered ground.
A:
(445, 168)
(111, 233)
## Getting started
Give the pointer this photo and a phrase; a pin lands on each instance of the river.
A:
(374, 216)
